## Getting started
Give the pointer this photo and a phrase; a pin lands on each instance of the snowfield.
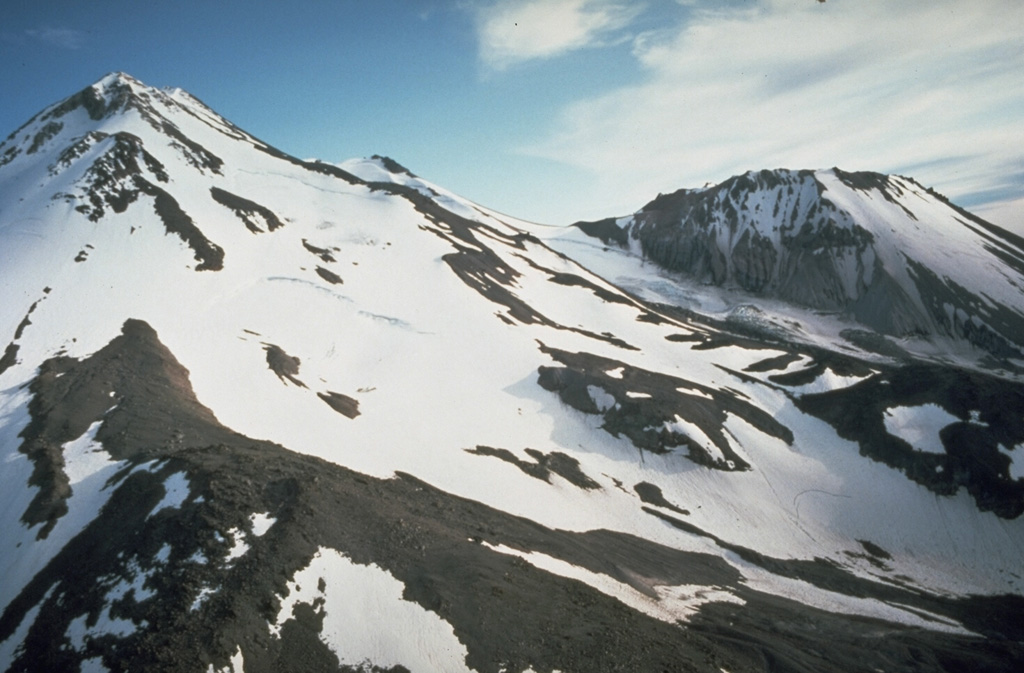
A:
(366, 320)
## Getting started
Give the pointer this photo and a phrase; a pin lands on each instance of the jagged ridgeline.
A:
(265, 414)
(882, 250)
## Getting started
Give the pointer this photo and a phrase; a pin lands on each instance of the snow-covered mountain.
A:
(259, 413)
(882, 251)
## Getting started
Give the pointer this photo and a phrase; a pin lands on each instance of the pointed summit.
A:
(112, 93)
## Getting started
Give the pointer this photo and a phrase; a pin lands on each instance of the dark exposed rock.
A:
(960, 312)
(343, 404)
(25, 322)
(323, 253)
(194, 153)
(607, 230)
(10, 357)
(285, 366)
(873, 342)
(989, 411)
(209, 255)
(543, 465)
(49, 130)
(477, 265)
(652, 495)
(119, 96)
(508, 613)
(116, 179)
(778, 362)
(134, 385)
(830, 576)
(778, 234)
(95, 103)
(868, 181)
(247, 210)
(76, 149)
(110, 180)
(329, 276)
(577, 281)
(649, 416)
(9, 155)
(875, 550)
(822, 362)
(393, 166)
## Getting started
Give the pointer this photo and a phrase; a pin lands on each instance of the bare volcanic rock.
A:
(343, 404)
(135, 388)
(252, 214)
(650, 407)
(454, 557)
(787, 235)
(285, 366)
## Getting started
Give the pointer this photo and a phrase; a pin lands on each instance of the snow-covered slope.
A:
(256, 410)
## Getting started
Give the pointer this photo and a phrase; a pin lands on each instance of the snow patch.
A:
(672, 604)
(204, 593)
(759, 579)
(919, 426)
(828, 381)
(261, 523)
(238, 545)
(136, 584)
(175, 493)
(696, 435)
(89, 470)
(84, 457)
(93, 665)
(80, 631)
(1016, 466)
(601, 398)
(695, 392)
(363, 606)
(9, 648)
(236, 665)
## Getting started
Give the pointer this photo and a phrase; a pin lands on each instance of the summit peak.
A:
(112, 93)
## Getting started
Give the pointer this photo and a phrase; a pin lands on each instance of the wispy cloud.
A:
(514, 31)
(63, 38)
(891, 85)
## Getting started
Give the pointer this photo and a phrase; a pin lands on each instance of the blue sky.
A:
(558, 110)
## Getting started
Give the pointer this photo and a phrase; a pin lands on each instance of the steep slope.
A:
(881, 250)
(256, 411)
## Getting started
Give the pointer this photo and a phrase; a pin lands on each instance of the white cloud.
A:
(514, 31)
(1006, 214)
(65, 38)
(929, 88)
